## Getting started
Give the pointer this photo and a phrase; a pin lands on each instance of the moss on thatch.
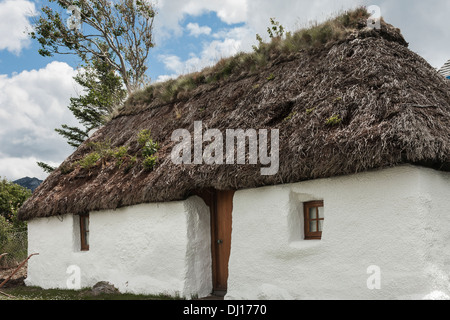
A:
(352, 104)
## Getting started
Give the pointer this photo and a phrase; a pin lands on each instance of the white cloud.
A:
(32, 104)
(254, 13)
(165, 78)
(195, 30)
(227, 43)
(172, 12)
(14, 24)
(172, 63)
(16, 168)
(423, 25)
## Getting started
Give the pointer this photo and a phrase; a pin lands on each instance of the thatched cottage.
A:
(358, 207)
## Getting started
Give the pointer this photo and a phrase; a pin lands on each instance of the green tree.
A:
(13, 237)
(104, 93)
(98, 27)
(12, 196)
(46, 167)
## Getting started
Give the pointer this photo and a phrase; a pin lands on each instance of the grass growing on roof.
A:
(149, 149)
(281, 43)
(102, 151)
(334, 121)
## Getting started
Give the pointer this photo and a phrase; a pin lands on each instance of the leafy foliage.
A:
(12, 196)
(104, 93)
(90, 160)
(103, 153)
(149, 149)
(124, 27)
(46, 167)
(150, 162)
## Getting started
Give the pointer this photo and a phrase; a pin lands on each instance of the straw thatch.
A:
(391, 108)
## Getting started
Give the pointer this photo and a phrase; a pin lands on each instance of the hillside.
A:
(29, 183)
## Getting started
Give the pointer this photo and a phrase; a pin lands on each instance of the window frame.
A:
(317, 235)
(84, 232)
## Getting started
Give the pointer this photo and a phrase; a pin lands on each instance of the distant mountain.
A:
(29, 183)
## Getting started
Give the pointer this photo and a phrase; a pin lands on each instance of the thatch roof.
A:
(391, 107)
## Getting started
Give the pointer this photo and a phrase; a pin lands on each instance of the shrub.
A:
(149, 147)
(150, 162)
(103, 148)
(144, 136)
(120, 154)
(12, 196)
(276, 29)
(334, 120)
(90, 160)
(104, 152)
(131, 162)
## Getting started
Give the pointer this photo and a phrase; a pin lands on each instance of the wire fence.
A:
(15, 244)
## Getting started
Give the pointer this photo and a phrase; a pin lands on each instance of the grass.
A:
(334, 121)
(35, 293)
(280, 44)
(103, 151)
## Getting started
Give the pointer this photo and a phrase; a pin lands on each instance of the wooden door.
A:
(221, 226)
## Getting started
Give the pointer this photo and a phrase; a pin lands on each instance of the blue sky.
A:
(189, 35)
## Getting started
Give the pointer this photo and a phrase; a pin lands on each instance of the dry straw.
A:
(354, 100)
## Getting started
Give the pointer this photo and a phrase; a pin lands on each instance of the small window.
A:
(84, 232)
(314, 217)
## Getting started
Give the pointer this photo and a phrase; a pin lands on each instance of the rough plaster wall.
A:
(198, 252)
(394, 219)
(397, 219)
(141, 249)
(435, 204)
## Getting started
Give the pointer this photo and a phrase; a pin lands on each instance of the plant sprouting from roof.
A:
(149, 149)
(281, 44)
(276, 29)
(334, 121)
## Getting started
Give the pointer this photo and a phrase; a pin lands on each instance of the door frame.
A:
(210, 196)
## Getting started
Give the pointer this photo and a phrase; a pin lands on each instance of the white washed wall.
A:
(397, 219)
(148, 249)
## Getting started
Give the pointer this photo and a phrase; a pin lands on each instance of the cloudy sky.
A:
(190, 34)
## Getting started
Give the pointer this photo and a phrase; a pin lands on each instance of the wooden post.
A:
(17, 269)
